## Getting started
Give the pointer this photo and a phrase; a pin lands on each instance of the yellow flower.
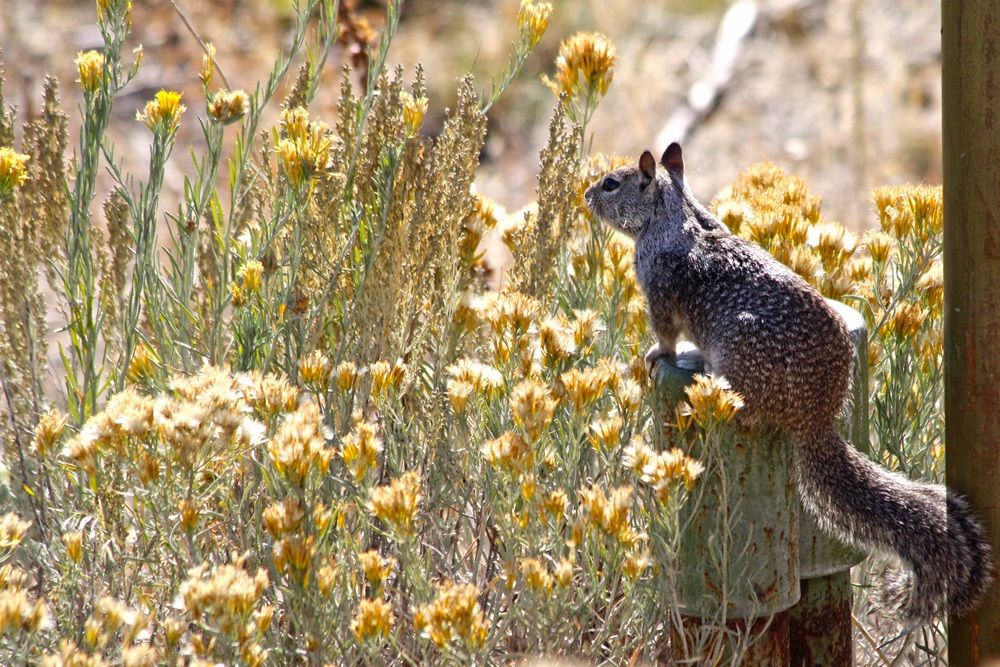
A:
(361, 448)
(710, 400)
(532, 405)
(564, 572)
(13, 170)
(879, 245)
(314, 370)
(12, 530)
(91, 67)
(536, 576)
(283, 518)
(609, 513)
(509, 451)
(396, 503)
(74, 546)
(294, 555)
(585, 386)
(305, 148)
(459, 392)
(480, 376)
(224, 597)
(636, 563)
(162, 113)
(453, 617)
(228, 107)
(373, 618)
(585, 63)
(50, 428)
(385, 376)
(348, 375)
(664, 471)
(326, 577)
(207, 65)
(556, 503)
(906, 320)
(606, 430)
(555, 339)
(250, 273)
(299, 445)
(270, 395)
(377, 570)
(414, 109)
(142, 367)
(533, 20)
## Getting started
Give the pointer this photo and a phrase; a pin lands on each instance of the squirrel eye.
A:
(610, 184)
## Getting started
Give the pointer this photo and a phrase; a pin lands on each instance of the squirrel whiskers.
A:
(779, 344)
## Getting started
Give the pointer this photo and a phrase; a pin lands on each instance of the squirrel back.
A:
(777, 342)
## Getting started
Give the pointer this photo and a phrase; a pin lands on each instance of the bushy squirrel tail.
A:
(946, 557)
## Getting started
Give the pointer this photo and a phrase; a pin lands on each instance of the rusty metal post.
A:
(751, 480)
(820, 624)
(970, 58)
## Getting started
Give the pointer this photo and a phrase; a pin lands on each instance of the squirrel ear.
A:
(673, 161)
(647, 167)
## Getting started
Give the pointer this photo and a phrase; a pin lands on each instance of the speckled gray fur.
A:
(778, 343)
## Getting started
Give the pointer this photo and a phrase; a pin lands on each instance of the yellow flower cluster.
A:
(163, 113)
(397, 502)
(372, 619)
(360, 448)
(469, 376)
(377, 570)
(662, 471)
(227, 107)
(17, 611)
(536, 576)
(299, 445)
(583, 386)
(386, 376)
(532, 404)
(611, 513)
(709, 401)
(224, 596)
(12, 530)
(315, 370)
(305, 146)
(585, 64)
(510, 451)
(48, 431)
(453, 617)
(13, 170)
(606, 431)
(283, 518)
(532, 21)
(91, 67)
(414, 110)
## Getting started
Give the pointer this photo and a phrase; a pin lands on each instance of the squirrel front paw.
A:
(656, 351)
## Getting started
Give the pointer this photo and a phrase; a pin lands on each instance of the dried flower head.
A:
(377, 570)
(532, 405)
(13, 170)
(207, 65)
(74, 546)
(48, 431)
(91, 67)
(372, 619)
(12, 530)
(509, 451)
(532, 21)
(710, 400)
(556, 340)
(283, 517)
(299, 445)
(360, 448)
(224, 596)
(584, 386)
(453, 617)
(385, 376)
(227, 107)
(269, 395)
(163, 113)
(314, 370)
(396, 503)
(536, 576)
(585, 64)
(606, 431)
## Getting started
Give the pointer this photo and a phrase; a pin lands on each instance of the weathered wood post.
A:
(970, 55)
(752, 476)
(820, 630)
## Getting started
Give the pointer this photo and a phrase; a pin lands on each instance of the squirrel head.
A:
(630, 197)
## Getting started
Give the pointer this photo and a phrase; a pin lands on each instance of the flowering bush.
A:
(313, 417)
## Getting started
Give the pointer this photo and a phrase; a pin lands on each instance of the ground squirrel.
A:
(776, 341)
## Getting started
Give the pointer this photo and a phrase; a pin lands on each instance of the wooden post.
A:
(970, 47)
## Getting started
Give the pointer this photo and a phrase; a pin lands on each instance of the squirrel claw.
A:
(655, 353)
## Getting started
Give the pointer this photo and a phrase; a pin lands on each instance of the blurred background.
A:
(843, 92)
